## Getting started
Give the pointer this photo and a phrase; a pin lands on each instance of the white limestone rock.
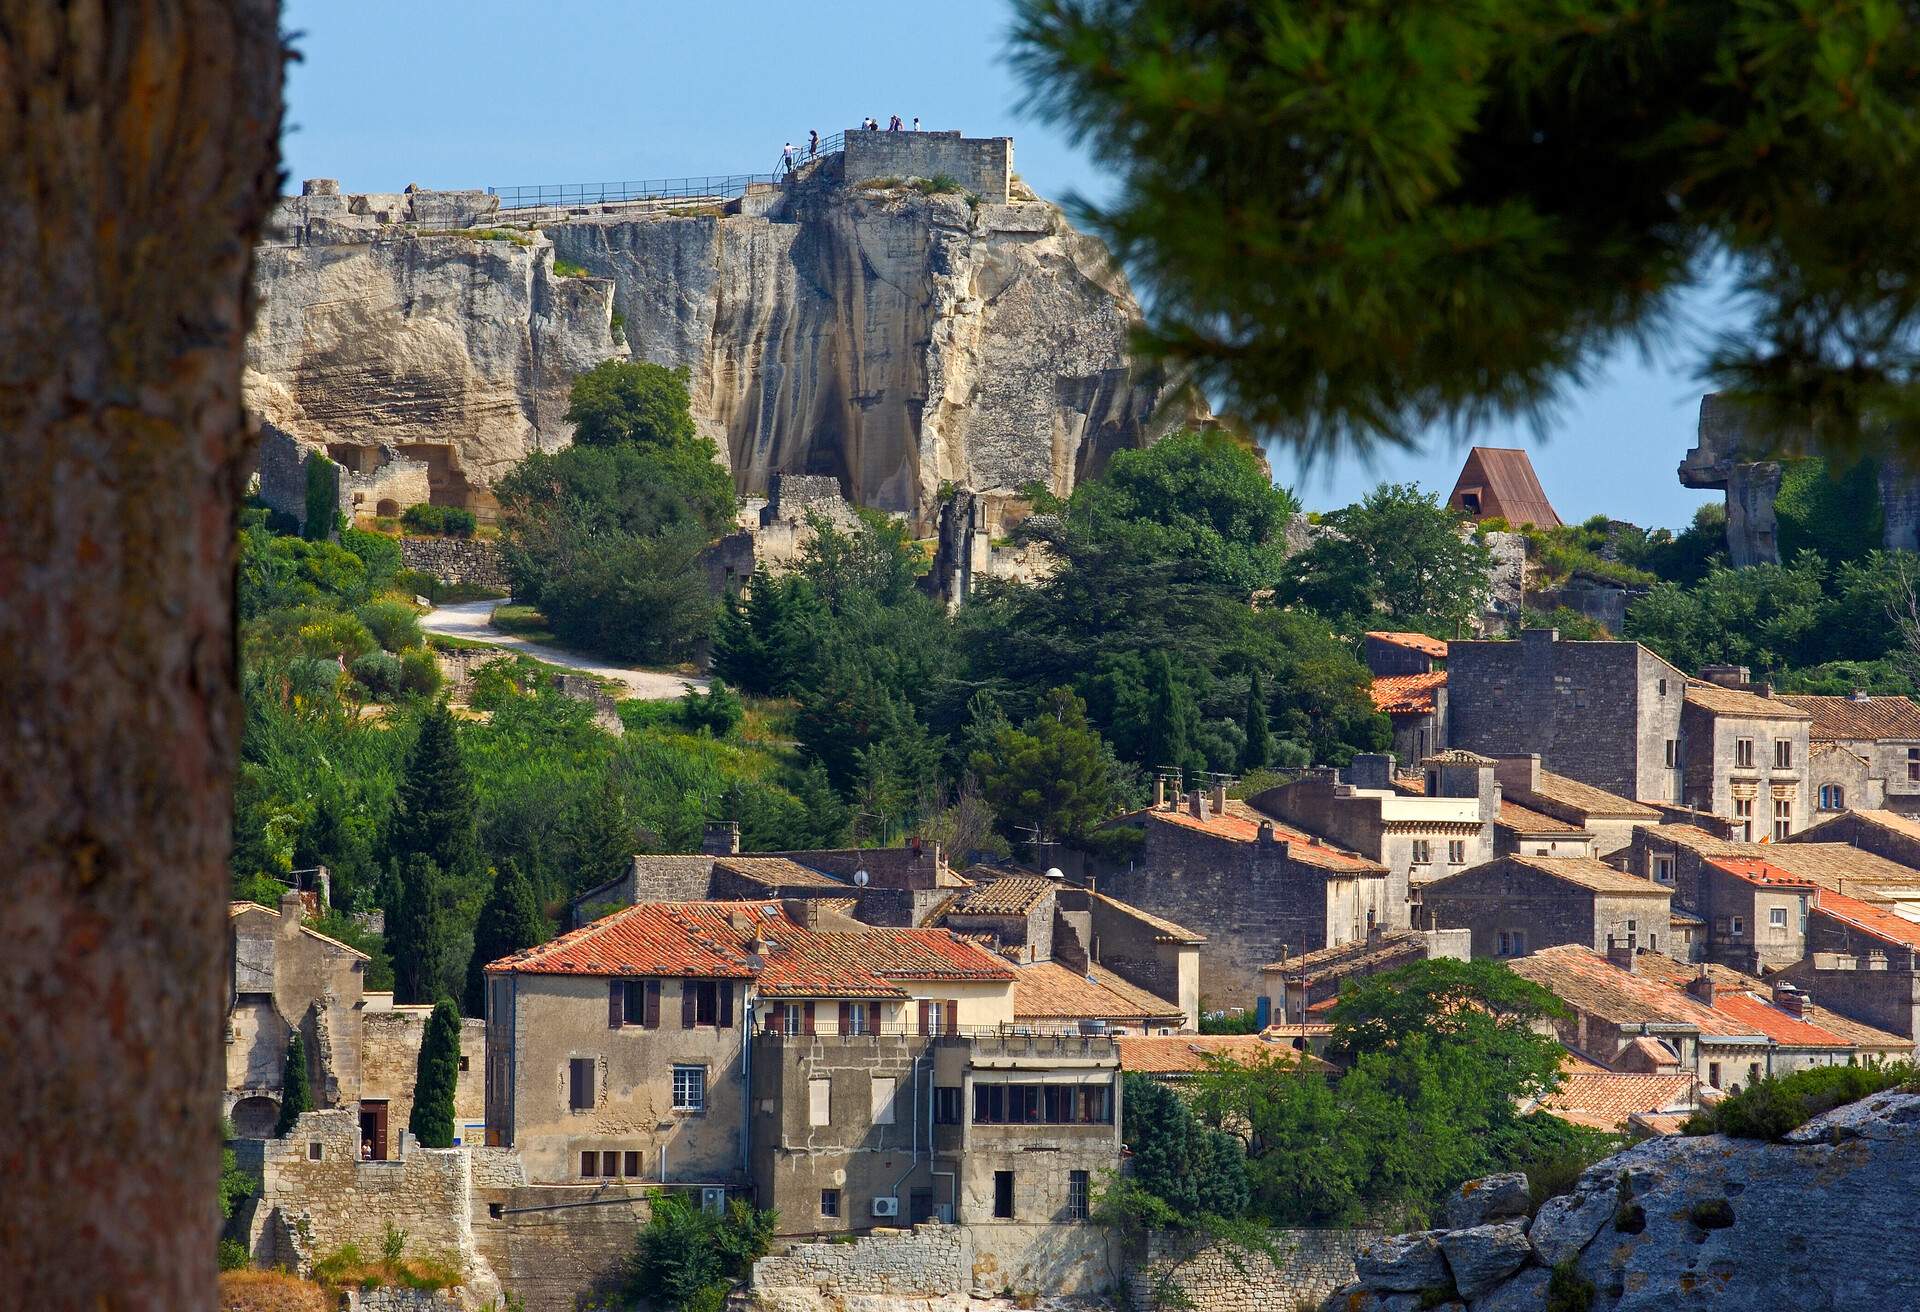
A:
(1488, 1199)
(1482, 1256)
(1394, 1263)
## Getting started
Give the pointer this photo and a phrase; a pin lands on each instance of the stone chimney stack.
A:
(1197, 805)
(1518, 774)
(1266, 833)
(1219, 797)
(722, 838)
(1791, 1000)
(1371, 770)
(1702, 987)
(1727, 676)
(1620, 954)
(1159, 792)
(293, 907)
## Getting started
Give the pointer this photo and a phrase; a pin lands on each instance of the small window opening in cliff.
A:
(446, 481)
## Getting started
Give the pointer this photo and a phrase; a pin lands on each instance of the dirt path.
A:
(473, 621)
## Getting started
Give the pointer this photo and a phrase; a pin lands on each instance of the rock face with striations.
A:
(1819, 1222)
(891, 339)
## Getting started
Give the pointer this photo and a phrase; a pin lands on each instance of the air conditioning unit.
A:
(886, 1207)
(713, 1199)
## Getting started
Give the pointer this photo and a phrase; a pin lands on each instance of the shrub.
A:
(446, 521)
(939, 184)
(379, 672)
(565, 268)
(393, 1242)
(335, 635)
(233, 1255)
(419, 673)
(686, 1258)
(719, 712)
(1711, 1214)
(394, 624)
(1771, 1108)
(1568, 1290)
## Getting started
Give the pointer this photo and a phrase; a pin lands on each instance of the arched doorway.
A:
(387, 509)
(255, 1117)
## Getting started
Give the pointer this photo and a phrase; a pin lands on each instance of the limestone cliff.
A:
(892, 339)
(1819, 1222)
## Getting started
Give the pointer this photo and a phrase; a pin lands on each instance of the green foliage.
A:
(420, 930)
(1353, 224)
(684, 1254)
(1258, 748)
(767, 643)
(631, 401)
(510, 921)
(336, 924)
(1195, 1171)
(379, 672)
(565, 268)
(1711, 1214)
(1678, 558)
(1581, 551)
(433, 812)
(1573, 626)
(1052, 777)
(1567, 1289)
(1394, 559)
(717, 711)
(1769, 1108)
(235, 1186)
(296, 1086)
(322, 523)
(394, 624)
(233, 1255)
(434, 1078)
(1244, 1021)
(940, 184)
(440, 521)
(1833, 511)
(393, 1240)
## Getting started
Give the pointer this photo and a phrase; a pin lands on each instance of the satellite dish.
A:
(860, 878)
(1054, 872)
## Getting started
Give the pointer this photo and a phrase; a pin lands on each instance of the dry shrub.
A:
(270, 1291)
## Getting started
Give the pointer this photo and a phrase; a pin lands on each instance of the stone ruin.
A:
(379, 480)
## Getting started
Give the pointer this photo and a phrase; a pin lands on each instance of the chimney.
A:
(721, 838)
(1219, 797)
(1702, 987)
(1620, 954)
(1790, 1000)
(1266, 833)
(1159, 792)
(1371, 770)
(1197, 804)
(293, 907)
(1727, 676)
(1857, 695)
(1519, 774)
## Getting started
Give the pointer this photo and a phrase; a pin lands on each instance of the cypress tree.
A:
(1171, 716)
(432, 1119)
(419, 933)
(433, 814)
(600, 834)
(510, 921)
(1259, 746)
(296, 1090)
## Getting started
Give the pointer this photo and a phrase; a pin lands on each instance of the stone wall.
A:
(390, 1062)
(1313, 1263)
(457, 561)
(927, 1261)
(1505, 896)
(556, 1248)
(982, 165)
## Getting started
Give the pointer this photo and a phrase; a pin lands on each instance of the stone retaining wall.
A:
(1313, 1263)
(456, 560)
(928, 1261)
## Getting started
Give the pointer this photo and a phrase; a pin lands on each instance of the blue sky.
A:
(499, 93)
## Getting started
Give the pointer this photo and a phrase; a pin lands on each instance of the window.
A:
(580, 1084)
(316, 1151)
(589, 1164)
(1663, 870)
(1042, 1104)
(1782, 818)
(1505, 947)
(632, 1171)
(1653, 942)
(689, 1088)
(633, 1002)
(1422, 852)
(1743, 753)
(1076, 1195)
(946, 1105)
(1833, 797)
(610, 1164)
(829, 1202)
(1003, 1195)
(1743, 818)
(1783, 753)
(1913, 765)
(1456, 852)
(1777, 917)
(1673, 752)
(463, 1061)
(819, 1101)
(1663, 693)
(937, 1017)
(791, 1019)
(883, 1088)
(1739, 926)
(706, 1002)
(853, 1018)
(1713, 1073)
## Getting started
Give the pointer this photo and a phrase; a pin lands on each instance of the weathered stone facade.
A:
(1311, 1264)
(457, 561)
(1521, 904)
(925, 1261)
(982, 165)
(1745, 755)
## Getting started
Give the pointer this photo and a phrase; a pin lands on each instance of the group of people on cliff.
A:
(867, 124)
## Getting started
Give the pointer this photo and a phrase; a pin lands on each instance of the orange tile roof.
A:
(1591, 1095)
(1425, 644)
(701, 940)
(1753, 870)
(1584, 798)
(1655, 965)
(1407, 694)
(777, 872)
(1306, 849)
(1188, 1054)
(1718, 699)
(1868, 719)
(1763, 1017)
(1871, 920)
(1047, 990)
(1525, 820)
(1587, 981)
(1010, 895)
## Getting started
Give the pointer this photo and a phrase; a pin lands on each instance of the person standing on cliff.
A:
(916, 122)
(813, 142)
(786, 158)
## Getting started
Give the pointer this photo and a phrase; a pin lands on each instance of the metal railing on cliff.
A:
(710, 187)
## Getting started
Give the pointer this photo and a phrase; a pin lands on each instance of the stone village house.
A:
(847, 1075)
(1517, 905)
(1745, 754)
(1865, 752)
(1410, 689)
(363, 1049)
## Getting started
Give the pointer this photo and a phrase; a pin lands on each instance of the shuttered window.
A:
(580, 1084)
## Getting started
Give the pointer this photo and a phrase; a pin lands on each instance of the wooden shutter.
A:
(926, 1022)
(725, 989)
(616, 1003)
(846, 1018)
(952, 1008)
(687, 1003)
(806, 1018)
(651, 1014)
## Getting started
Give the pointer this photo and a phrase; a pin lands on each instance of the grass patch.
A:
(563, 268)
(523, 622)
(251, 1290)
(346, 1267)
(940, 184)
(1772, 1108)
(478, 234)
(697, 211)
(881, 184)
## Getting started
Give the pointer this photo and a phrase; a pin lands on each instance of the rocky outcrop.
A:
(1818, 1222)
(892, 340)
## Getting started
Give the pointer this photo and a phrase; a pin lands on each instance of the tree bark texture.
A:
(138, 159)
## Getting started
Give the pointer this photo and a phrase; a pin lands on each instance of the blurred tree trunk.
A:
(138, 158)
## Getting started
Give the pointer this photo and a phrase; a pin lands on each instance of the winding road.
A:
(473, 621)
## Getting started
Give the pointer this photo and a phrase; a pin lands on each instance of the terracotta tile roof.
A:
(1010, 895)
(1580, 871)
(1761, 1015)
(1423, 643)
(1361, 956)
(1588, 982)
(1306, 849)
(1524, 820)
(1754, 870)
(702, 940)
(1296, 1029)
(1407, 694)
(1507, 488)
(1188, 1054)
(1717, 699)
(1870, 920)
(1652, 1050)
(1457, 756)
(1583, 798)
(1047, 990)
(1604, 1099)
(1826, 864)
(777, 872)
(1868, 718)
(1165, 931)
(1661, 1124)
